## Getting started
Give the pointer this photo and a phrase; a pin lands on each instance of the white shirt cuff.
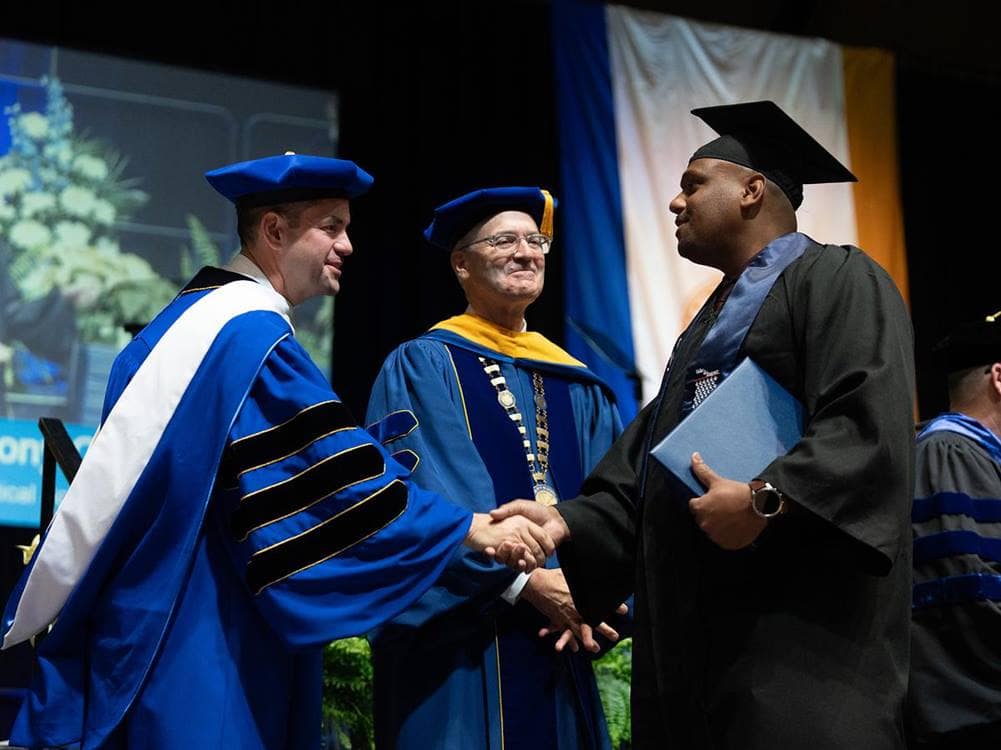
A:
(512, 592)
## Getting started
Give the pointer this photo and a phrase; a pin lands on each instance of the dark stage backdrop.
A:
(949, 166)
(436, 99)
(441, 97)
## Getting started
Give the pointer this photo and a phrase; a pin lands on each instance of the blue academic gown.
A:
(201, 621)
(462, 667)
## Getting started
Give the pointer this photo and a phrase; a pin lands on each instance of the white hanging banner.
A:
(663, 67)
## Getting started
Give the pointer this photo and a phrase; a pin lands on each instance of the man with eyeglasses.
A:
(485, 411)
(954, 694)
(230, 518)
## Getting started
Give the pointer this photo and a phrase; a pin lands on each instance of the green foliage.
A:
(202, 252)
(347, 693)
(614, 673)
(62, 199)
(128, 295)
(313, 321)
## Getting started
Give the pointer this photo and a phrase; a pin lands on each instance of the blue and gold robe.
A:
(264, 525)
(462, 667)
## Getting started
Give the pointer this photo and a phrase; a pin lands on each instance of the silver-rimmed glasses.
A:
(507, 242)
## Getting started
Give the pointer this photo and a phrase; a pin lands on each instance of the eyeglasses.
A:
(508, 242)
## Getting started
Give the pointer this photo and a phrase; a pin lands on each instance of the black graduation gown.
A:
(802, 641)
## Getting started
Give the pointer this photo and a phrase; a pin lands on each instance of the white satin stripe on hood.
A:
(122, 448)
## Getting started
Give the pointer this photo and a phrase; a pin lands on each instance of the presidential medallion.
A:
(505, 399)
(544, 494)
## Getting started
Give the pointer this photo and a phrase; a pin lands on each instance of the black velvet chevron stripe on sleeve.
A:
(408, 458)
(288, 438)
(328, 539)
(297, 493)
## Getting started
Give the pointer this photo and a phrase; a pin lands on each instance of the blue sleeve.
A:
(419, 377)
(328, 531)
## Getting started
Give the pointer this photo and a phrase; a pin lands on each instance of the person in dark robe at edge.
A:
(770, 615)
(489, 411)
(954, 698)
(230, 518)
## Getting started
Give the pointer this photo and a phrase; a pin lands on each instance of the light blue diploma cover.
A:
(739, 429)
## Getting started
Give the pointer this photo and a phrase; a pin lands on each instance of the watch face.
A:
(767, 502)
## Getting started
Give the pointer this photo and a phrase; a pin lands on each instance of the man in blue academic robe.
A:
(229, 518)
(486, 411)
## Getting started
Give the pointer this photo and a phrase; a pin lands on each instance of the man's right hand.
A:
(545, 516)
(516, 541)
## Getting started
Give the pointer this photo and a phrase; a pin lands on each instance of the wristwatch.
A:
(766, 500)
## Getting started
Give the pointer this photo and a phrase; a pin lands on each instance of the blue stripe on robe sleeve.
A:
(374, 555)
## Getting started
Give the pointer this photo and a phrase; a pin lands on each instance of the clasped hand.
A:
(547, 591)
(516, 542)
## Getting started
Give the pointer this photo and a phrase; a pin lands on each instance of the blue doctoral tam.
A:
(454, 219)
(287, 178)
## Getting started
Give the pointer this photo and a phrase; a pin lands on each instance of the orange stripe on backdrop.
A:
(871, 116)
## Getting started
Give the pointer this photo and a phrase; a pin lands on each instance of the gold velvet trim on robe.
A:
(514, 344)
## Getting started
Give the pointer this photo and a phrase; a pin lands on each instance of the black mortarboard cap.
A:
(975, 344)
(760, 136)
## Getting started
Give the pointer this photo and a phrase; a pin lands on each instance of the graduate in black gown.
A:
(772, 615)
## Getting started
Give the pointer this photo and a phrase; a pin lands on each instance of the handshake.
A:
(520, 534)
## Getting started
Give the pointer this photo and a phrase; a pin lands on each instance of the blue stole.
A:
(720, 352)
(528, 663)
(967, 427)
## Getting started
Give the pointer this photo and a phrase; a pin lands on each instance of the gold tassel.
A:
(546, 227)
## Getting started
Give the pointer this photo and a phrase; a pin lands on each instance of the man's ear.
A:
(459, 261)
(996, 379)
(754, 190)
(271, 229)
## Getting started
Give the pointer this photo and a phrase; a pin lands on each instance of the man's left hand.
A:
(724, 512)
(547, 591)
